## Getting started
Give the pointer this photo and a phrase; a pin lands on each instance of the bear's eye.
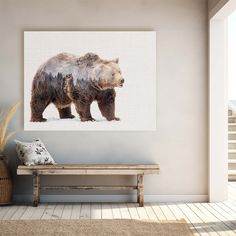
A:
(113, 74)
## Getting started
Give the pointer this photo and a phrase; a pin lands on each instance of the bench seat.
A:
(89, 169)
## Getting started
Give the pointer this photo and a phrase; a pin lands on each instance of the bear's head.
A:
(107, 74)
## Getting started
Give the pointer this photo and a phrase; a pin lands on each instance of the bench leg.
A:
(36, 186)
(140, 192)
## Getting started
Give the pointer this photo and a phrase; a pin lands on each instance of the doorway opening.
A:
(232, 97)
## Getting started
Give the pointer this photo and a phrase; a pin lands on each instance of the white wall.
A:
(218, 111)
(232, 56)
(180, 143)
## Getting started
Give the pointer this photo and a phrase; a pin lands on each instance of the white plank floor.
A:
(203, 218)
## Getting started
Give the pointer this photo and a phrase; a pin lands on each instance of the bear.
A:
(67, 79)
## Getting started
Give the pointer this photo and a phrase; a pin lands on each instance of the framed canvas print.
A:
(89, 80)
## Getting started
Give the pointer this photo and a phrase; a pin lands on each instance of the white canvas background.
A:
(135, 102)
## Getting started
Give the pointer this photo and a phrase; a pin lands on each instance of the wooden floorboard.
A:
(67, 211)
(28, 213)
(19, 213)
(150, 212)
(107, 211)
(180, 215)
(205, 219)
(157, 210)
(57, 212)
(10, 212)
(76, 208)
(48, 212)
(39, 211)
(193, 218)
(85, 212)
(125, 214)
(96, 211)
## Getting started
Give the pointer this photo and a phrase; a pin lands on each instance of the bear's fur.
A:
(66, 79)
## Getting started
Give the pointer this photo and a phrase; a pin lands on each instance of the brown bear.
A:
(66, 78)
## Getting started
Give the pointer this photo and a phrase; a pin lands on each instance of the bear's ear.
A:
(97, 72)
(116, 60)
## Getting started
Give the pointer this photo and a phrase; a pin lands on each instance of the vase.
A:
(5, 182)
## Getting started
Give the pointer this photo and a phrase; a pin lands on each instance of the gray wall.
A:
(179, 144)
(212, 3)
(215, 5)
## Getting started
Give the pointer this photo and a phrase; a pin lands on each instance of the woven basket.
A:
(5, 183)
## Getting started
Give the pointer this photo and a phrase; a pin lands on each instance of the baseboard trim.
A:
(112, 198)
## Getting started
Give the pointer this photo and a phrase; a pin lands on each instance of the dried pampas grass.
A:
(4, 123)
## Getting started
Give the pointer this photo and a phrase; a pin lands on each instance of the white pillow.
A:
(34, 153)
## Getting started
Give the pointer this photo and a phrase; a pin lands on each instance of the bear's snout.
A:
(122, 82)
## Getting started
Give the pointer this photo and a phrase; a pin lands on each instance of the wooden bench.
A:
(39, 170)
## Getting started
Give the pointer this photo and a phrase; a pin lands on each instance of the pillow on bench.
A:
(34, 153)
